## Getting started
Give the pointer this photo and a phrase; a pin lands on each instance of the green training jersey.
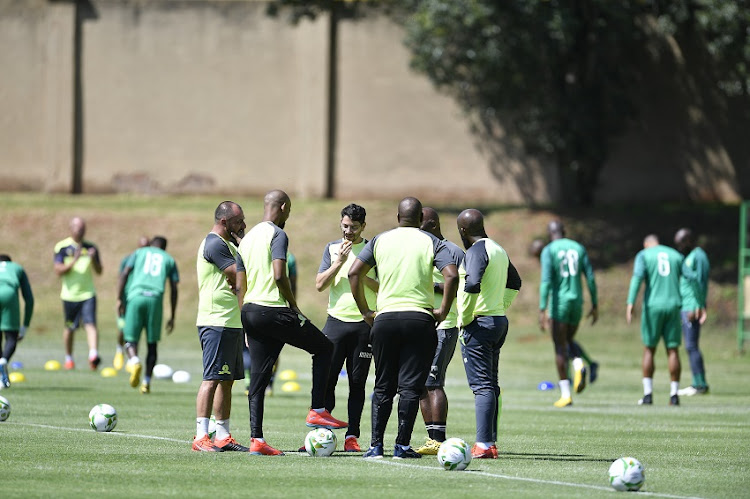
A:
(12, 280)
(341, 304)
(78, 282)
(263, 244)
(217, 303)
(564, 263)
(694, 280)
(660, 267)
(151, 267)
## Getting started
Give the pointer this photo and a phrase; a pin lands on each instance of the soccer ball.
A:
(103, 417)
(212, 427)
(626, 473)
(4, 409)
(163, 371)
(320, 442)
(454, 454)
(181, 377)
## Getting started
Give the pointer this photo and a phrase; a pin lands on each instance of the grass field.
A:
(699, 449)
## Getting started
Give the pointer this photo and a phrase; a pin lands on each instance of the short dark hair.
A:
(224, 210)
(5, 258)
(355, 212)
(159, 242)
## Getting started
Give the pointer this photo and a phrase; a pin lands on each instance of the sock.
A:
(222, 429)
(147, 380)
(430, 429)
(320, 411)
(564, 388)
(201, 427)
(439, 431)
(93, 353)
(68, 358)
(483, 445)
(118, 349)
(673, 387)
(3, 361)
(261, 440)
(134, 360)
(648, 386)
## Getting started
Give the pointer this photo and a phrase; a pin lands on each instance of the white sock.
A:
(261, 440)
(673, 387)
(93, 353)
(564, 388)
(648, 386)
(118, 349)
(201, 428)
(68, 358)
(483, 445)
(319, 411)
(134, 360)
(222, 429)
(3, 361)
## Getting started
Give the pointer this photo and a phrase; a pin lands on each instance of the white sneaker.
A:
(687, 391)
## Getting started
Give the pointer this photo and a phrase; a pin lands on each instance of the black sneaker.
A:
(702, 389)
(374, 452)
(674, 400)
(646, 400)
(400, 452)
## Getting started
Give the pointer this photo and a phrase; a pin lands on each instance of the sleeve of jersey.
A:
(512, 285)
(217, 252)
(635, 281)
(367, 255)
(59, 255)
(279, 245)
(128, 262)
(590, 280)
(443, 256)
(28, 299)
(325, 262)
(240, 263)
(544, 285)
(475, 263)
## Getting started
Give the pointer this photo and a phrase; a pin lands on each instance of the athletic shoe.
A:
(302, 449)
(230, 445)
(430, 448)
(69, 364)
(119, 361)
(593, 371)
(145, 388)
(204, 444)
(374, 452)
(400, 452)
(702, 389)
(488, 453)
(579, 375)
(258, 448)
(4, 380)
(563, 402)
(688, 391)
(351, 444)
(324, 420)
(646, 400)
(94, 362)
(135, 374)
(674, 400)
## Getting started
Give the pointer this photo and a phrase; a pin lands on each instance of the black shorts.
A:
(222, 352)
(447, 339)
(77, 312)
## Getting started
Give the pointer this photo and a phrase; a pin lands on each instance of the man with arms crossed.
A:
(271, 319)
(433, 403)
(489, 283)
(346, 329)
(564, 261)
(403, 330)
(76, 260)
(660, 266)
(219, 327)
(144, 275)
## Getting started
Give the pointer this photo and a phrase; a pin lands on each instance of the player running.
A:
(119, 361)
(12, 280)
(564, 262)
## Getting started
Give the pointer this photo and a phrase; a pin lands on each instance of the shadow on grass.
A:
(533, 456)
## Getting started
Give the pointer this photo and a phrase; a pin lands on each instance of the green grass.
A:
(46, 448)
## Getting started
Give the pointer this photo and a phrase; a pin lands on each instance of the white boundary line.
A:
(390, 463)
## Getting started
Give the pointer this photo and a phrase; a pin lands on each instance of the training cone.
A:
(288, 375)
(546, 385)
(16, 377)
(52, 365)
(16, 365)
(290, 386)
(109, 372)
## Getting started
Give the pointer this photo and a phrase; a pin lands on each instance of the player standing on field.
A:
(564, 262)
(76, 260)
(271, 319)
(489, 283)
(403, 329)
(693, 291)
(140, 292)
(433, 402)
(12, 280)
(119, 360)
(346, 329)
(660, 267)
(219, 327)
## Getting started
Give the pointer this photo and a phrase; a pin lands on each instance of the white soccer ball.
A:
(454, 454)
(212, 427)
(103, 417)
(320, 442)
(181, 377)
(163, 371)
(626, 473)
(4, 409)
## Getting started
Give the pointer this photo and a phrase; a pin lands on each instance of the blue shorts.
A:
(77, 312)
(222, 352)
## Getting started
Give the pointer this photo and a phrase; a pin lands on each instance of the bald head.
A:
(683, 239)
(77, 229)
(470, 226)
(276, 197)
(431, 222)
(556, 229)
(650, 241)
(410, 212)
(277, 206)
